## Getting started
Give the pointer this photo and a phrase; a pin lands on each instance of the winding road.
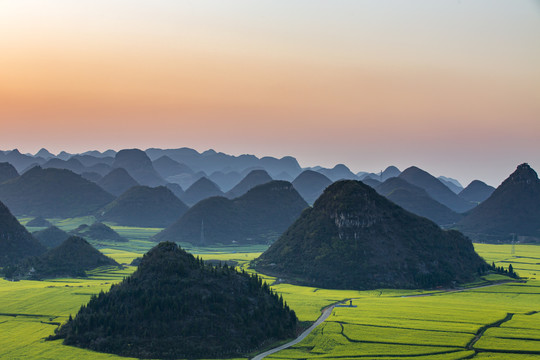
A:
(326, 313)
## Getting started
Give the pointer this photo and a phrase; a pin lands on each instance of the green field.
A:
(386, 324)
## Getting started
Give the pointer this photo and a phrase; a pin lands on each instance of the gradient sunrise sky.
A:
(450, 86)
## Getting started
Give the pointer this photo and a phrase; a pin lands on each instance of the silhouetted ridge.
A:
(71, 164)
(338, 172)
(175, 307)
(513, 210)
(353, 238)
(44, 153)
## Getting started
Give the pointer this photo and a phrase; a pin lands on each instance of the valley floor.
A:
(496, 322)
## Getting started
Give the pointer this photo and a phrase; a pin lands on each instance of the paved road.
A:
(326, 313)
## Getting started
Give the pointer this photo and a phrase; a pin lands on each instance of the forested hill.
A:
(175, 306)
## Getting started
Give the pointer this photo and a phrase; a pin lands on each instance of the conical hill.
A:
(176, 307)
(477, 191)
(72, 258)
(51, 237)
(310, 185)
(254, 178)
(99, 232)
(39, 222)
(512, 212)
(200, 190)
(354, 238)
(117, 181)
(16, 242)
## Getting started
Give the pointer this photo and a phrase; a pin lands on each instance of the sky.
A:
(451, 86)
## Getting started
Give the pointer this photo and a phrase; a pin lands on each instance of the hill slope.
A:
(98, 231)
(139, 166)
(310, 185)
(513, 208)
(38, 222)
(53, 193)
(436, 189)
(71, 259)
(7, 172)
(201, 189)
(165, 166)
(16, 242)
(117, 181)
(144, 207)
(254, 178)
(175, 307)
(259, 216)
(51, 237)
(354, 238)
(477, 191)
(338, 172)
(416, 200)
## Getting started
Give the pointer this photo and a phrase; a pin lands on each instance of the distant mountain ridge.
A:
(259, 216)
(210, 161)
